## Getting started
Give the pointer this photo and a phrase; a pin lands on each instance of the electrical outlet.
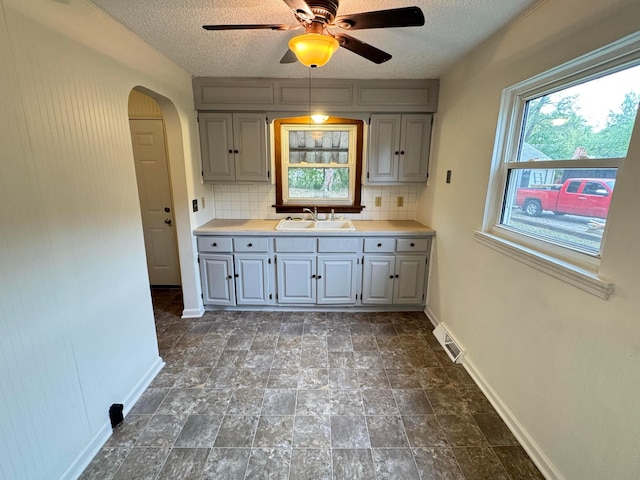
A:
(448, 176)
(400, 201)
(194, 204)
(378, 202)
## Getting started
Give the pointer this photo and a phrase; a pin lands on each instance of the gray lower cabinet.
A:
(313, 271)
(234, 278)
(218, 286)
(391, 277)
(307, 276)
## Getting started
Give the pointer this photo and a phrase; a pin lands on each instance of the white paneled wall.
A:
(255, 202)
(76, 322)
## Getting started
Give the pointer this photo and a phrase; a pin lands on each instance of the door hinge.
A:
(423, 297)
(198, 259)
(367, 174)
(202, 296)
(269, 261)
(271, 296)
(276, 296)
(268, 174)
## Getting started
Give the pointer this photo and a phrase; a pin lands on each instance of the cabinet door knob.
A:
(390, 276)
(319, 277)
(379, 245)
(401, 152)
(229, 277)
(313, 276)
(230, 151)
(235, 151)
(237, 275)
(397, 152)
(397, 276)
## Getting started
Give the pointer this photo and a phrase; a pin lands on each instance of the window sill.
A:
(571, 274)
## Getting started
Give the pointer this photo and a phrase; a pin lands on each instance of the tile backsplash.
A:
(255, 202)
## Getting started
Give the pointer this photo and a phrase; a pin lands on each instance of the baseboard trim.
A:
(81, 461)
(193, 312)
(546, 467)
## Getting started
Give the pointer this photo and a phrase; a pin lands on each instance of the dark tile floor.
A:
(292, 395)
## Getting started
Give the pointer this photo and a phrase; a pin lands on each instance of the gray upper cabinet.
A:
(234, 147)
(399, 148)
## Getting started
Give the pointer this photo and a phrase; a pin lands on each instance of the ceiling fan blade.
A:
(264, 26)
(365, 50)
(395, 17)
(289, 57)
(300, 7)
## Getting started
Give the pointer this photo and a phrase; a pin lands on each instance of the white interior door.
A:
(150, 156)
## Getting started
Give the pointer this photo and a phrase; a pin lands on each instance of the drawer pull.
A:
(379, 244)
(413, 244)
(214, 244)
(251, 245)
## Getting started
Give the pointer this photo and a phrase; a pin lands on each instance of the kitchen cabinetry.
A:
(394, 271)
(312, 270)
(241, 278)
(234, 147)
(399, 148)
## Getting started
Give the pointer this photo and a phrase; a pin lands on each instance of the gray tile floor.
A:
(293, 395)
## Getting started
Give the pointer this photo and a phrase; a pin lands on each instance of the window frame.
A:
(574, 267)
(321, 204)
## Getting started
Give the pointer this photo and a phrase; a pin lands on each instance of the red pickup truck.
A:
(588, 197)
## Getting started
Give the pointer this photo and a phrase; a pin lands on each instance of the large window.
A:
(318, 165)
(562, 138)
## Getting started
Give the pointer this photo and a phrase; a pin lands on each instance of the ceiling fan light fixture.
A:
(313, 49)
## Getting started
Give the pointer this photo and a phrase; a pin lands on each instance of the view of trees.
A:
(558, 129)
(317, 182)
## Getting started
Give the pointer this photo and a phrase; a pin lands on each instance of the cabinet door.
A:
(250, 147)
(216, 147)
(377, 279)
(251, 279)
(409, 279)
(217, 279)
(384, 143)
(296, 276)
(414, 148)
(337, 279)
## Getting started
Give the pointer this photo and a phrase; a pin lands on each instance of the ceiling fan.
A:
(317, 17)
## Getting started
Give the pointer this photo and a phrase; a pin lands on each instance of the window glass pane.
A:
(318, 182)
(319, 146)
(568, 207)
(590, 120)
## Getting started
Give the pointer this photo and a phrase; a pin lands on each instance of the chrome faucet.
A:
(314, 213)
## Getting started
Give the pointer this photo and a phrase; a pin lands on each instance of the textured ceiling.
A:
(174, 27)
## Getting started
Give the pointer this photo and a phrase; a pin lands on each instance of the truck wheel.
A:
(532, 208)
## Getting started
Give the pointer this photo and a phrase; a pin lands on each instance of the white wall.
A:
(561, 364)
(76, 322)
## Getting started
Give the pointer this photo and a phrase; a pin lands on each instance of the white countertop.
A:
(267, 227)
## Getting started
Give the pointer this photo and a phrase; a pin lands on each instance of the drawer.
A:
(295, 244)
(382, 245)
(214, 244)
(412, 245)
(250, 244)
(339, 245)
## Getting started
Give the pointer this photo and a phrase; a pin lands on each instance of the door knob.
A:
(167, 221)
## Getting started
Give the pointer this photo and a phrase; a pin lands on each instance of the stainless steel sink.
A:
(312, 226)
